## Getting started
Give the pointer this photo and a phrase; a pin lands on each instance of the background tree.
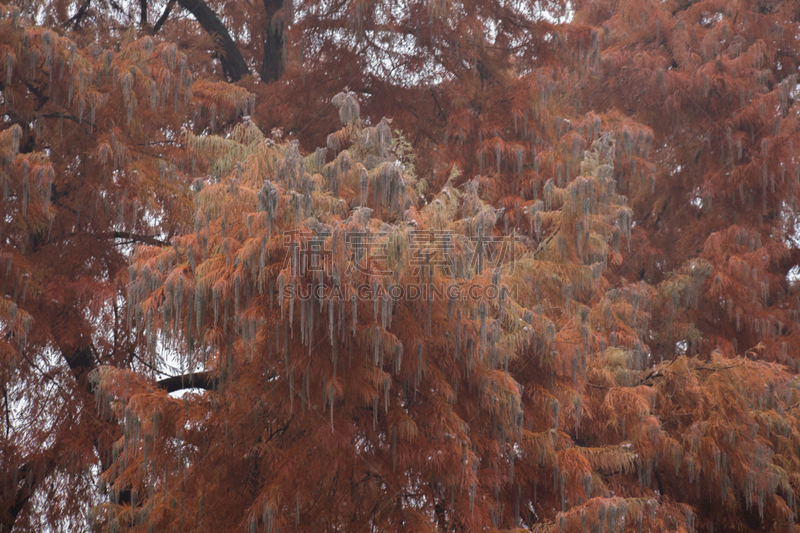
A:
(722, 194)
(725, 186)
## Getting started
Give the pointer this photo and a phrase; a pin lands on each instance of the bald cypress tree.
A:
(556, 290)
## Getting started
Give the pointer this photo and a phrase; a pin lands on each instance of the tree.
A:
(412, 429)
(89, 169)
(631, 333)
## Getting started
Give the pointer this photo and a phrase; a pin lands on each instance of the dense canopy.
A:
(400, 266)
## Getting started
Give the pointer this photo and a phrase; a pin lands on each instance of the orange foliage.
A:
(553, 292)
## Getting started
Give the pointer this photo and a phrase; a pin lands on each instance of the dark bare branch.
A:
(164, 16)
(135, 237)
(199, 380)
(233, 64)
(27, 482)
(78, 16)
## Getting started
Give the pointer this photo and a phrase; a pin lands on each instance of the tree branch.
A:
(69, 117)
(233, 64)
(8, 411)
(24, 490)
(81, 362)
(78, 17)
(713, 369)
(199, 380)
(164, 16)
(135, 237)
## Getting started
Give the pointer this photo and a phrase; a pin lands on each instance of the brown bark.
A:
(233, 64)
(273, 65)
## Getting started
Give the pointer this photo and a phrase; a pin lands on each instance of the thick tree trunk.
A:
(273, 64)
